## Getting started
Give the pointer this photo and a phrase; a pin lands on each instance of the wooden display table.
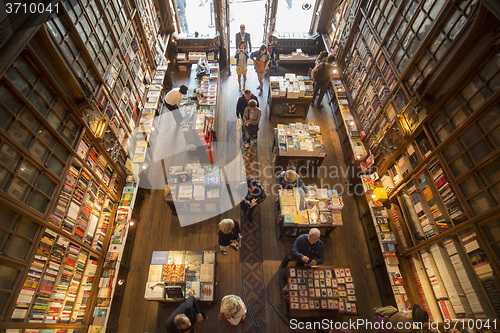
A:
(293, 147)
(297, 214)
(320, 292)
(288, 107)
(175, 275)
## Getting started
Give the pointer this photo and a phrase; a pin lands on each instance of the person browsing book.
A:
(289, 179)
(173, 101)
(254, 195)
(307, 249)
(229, 235)
(185, 317)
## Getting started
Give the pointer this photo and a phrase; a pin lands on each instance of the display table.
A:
(175, 275)
(290, 95)
(320, 291)
(299, 143)
(297, 213)
(193, 188)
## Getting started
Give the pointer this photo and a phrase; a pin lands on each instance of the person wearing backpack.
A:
(322, 75)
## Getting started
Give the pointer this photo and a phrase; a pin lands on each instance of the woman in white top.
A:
(241, 57)
(233, 309)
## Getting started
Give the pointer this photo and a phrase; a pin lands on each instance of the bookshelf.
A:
(426, 115)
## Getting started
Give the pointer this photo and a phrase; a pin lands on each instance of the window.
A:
(438, 47)
(468, 100)
(409, 30)
(294, 16)
(383, 14)
(42, 98)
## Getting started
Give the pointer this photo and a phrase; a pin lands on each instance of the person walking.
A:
(229, 235)
(307, 249)
(181, 13)
(251, 119)
(241, 57)
(243, 102)
(243, 36)
(253, 194)
(185, 317)
(232, 309)
(322, 74)
(261, 60)
(173, 101)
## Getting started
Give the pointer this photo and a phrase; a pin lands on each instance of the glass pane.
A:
(45, 185)
(53, 121)
(461, 165)
(18, 189)
(452, 151)
(45, 92)
(27, 70)
(478, 100)
(38, 202)
(492, 233)
(8, 157)
(46, 137)
(19, 133)
(459, 117)
(471, 88)
(5, 177)
(8, 277)
(5, 118)
(59, 109)
(54, 165)
(471, 185)
(29, 120)
(480, 151)
(39, 151)
(491, 172)
(18, 81)
(28, 172)
(9, 217)
(27, 228)
(471, 136)
(480, 203)
(18, 248)
(9, 100)
(60, 151)
(37, 102)
(67, 135)
(72, 125)
(4, 239)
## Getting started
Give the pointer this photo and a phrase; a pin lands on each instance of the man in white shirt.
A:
(243, 36)
(173, 101)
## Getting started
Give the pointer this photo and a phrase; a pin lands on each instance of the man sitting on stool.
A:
(173, 101)
(307, 249)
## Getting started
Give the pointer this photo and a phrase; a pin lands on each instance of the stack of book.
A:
(194, 182)
(177, 274)
(320, 207)
(291, 86)
(297, 139)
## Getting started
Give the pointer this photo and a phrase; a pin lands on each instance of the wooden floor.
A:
(253, 274)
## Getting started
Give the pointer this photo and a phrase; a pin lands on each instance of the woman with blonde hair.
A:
(229, 235)
(233, 310)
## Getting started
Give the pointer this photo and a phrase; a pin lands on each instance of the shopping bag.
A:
(238, 124)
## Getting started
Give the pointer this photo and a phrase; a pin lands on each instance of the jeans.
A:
(321, 90)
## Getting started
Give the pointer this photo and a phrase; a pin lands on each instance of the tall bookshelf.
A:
(424, 94)
(71, 97)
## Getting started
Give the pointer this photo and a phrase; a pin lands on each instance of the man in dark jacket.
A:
(307, 249)
(243, 102)
(255, 194)
(185, 317)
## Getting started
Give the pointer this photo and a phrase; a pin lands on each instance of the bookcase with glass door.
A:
(424, 91)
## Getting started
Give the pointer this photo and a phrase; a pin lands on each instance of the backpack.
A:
(322, 75)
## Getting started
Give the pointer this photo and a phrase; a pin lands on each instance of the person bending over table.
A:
(185, 317)
(289, 179)
(307, 249)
